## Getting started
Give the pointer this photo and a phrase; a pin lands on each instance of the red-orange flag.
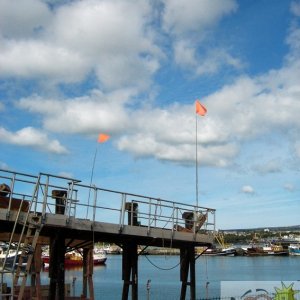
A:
(200, 109)
(102, 138)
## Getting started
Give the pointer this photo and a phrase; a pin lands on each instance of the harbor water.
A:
(164, 273)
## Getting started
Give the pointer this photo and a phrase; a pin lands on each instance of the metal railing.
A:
(52, 194)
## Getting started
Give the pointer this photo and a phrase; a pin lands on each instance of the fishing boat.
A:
(228, 251)
(75, 258)
(272, 249)
(294, 249)
(223, 249)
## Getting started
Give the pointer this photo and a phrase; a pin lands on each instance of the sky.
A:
(70, 70)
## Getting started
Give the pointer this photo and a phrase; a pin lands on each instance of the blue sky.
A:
(70, 70)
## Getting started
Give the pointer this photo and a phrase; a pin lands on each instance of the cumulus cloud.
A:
(188, 24)
(181, 17)
(88, 114)
(80, 38)
(31, 137)
(42, 59)
(248, 189)
(186, 57)
(23, 19)
(123, 52)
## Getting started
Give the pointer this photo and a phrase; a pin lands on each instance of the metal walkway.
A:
(84, 215)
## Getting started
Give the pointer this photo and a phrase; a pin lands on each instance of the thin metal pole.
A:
(91, 181)
(196, 162)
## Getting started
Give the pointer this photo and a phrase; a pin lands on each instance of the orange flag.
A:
(200, 109)
(102, 138)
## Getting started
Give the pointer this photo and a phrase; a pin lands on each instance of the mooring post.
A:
(130, 270)
(187, 267)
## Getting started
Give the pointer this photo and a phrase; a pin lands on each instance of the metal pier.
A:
(45, 209)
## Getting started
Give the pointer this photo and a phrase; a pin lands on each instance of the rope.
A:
(206, 273)
(160, 268)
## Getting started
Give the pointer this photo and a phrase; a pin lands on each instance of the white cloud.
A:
(22, 19)
(3, 166)
(66, 175)
(188, 22)
(88, 114)
(289, 187)
(295, 8)
(31, 137)
(122, 50)
(185, 55)
(181, 17)
(84, 37)
(271, 166)
(248, 189)
(42, 60)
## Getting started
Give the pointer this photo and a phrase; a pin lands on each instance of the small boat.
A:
(112, 249)
(224, 249)
(9, 256)
(229, 251)
(294, 249)
(100, 256)
(75, 258)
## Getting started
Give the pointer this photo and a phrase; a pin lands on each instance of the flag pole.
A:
(102, 138)
(200, 110)
(197, 201)
(91, 181)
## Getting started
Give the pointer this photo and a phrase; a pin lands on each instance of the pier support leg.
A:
(57, 267)
(36, 272)
(84, 272)
(130, 270)
(88, 269)
(187, 267)
(90, 272)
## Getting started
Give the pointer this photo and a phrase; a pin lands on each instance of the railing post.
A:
(122, 212)
(69, 199)
(45, 193)
(149, 214)
(34, 198)
(173, 216)
(10, 195)
(95, 202)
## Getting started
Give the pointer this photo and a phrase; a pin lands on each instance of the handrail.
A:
(108, 205)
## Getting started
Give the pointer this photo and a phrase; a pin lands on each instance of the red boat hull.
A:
(74, 262)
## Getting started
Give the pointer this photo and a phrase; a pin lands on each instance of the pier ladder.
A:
(23, 239)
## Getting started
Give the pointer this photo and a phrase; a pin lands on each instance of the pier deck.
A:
(81, 215)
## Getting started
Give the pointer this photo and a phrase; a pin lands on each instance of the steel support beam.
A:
(130, 270)
(187, 267)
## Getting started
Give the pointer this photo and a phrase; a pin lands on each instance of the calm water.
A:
(163, 271)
